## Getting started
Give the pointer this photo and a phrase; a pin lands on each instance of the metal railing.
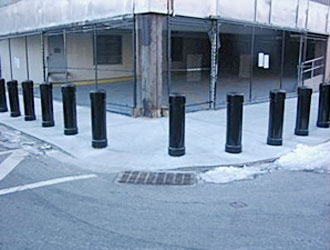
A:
(311, 68)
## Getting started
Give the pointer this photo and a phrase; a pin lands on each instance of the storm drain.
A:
(157, 178)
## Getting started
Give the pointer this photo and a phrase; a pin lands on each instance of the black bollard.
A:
(323, 120)
(3, 99)
(69, 109)
(276, 116)
(303, 110)
(234, 122)
(177, 125)
(13, 98)
(28, 99)
(46, 94)
(99, 122)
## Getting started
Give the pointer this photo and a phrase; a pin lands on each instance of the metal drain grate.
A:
(157, 178)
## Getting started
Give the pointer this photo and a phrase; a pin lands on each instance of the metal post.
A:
(28, 99)
(99, 120)
(214, 63)
(282, 58)
(27, 59)
(95, 56)
(13, 98)
(69, 109)
(324, 106)
(65, 54)
(43, 55)
(325, 60)
(177, 125)
(234, 122)
(46, 94)
(312, 71)
(10, 61)
(276, 117)
(304, 58)
(299, 69)
(303, 110)
(134, 63)
(3, 100)
(169, 56)
(251, 63)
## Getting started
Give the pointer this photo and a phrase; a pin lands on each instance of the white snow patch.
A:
(229, 174)
(302, 158)
(307, 158)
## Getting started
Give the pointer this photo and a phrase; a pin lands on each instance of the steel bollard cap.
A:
(27, 82)
(324, 85)
(235, 97)
(177, 98)
(304, 90)
(12, 82)
(277, 94)
(68, 86)
(97, 92)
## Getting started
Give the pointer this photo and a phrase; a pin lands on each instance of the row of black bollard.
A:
(176, 111)
(235, 115)
(98, 107)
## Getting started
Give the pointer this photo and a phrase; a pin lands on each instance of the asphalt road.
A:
(281, 210)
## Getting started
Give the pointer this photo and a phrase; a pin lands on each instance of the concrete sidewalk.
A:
(141, 143)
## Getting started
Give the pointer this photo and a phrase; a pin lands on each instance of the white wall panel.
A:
(46, 13)
(155, 6)
(263, 11)
(317, 17)
(302, 14)
(284, 13)
(194, 8)
(237, 9)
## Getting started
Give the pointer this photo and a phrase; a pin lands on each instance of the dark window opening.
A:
(177, 49)
(109, 49)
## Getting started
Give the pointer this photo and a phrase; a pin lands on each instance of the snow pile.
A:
(229, 174)
(307, 158)
(302, 158)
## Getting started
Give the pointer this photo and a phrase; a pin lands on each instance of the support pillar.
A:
(327, 62)
(215, 43)
(150, 63)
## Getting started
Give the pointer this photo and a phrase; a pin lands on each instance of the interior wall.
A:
(80, 55)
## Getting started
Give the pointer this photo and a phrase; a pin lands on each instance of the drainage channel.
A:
(157, 178)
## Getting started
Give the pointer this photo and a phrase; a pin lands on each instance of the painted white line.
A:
(11, 162)
(45, 183)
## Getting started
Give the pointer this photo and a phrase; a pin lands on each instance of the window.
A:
(177, 49)
(109, 49)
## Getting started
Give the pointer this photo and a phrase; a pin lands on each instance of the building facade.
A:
(140, 51)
